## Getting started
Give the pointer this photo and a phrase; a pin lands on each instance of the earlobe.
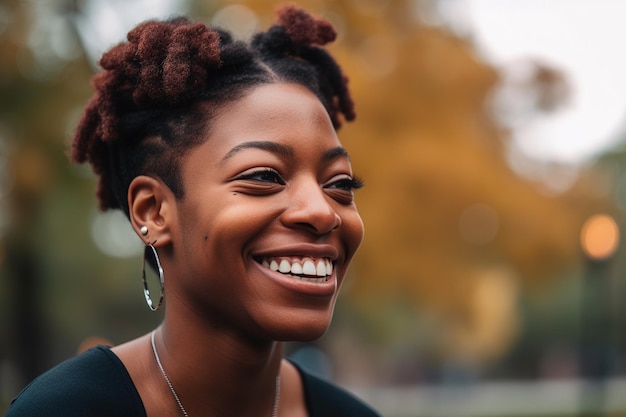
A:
(149, 209)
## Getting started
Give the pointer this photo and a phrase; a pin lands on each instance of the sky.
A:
(584, 39)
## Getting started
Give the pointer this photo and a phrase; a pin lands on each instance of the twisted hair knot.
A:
(303, 29)
(173, 59)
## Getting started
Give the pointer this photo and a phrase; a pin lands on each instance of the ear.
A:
(151, 204)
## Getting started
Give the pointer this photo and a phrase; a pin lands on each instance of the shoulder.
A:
(94, 383)
(325, 398)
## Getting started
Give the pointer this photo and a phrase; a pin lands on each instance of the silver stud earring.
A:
(143, 230)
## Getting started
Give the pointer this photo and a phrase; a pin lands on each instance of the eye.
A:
(265, 175)
(349, 184)
(342, 188)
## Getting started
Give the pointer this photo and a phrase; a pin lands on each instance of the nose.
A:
(310, 208)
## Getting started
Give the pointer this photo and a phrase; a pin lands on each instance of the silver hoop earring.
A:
(150, 255)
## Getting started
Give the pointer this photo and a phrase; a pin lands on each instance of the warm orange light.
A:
(599, 236)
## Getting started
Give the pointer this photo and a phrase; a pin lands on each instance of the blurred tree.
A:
(42, 80)
(27, 178)
(609, 182)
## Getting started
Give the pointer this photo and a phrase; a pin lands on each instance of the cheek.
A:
(236, 222)
(353, 231)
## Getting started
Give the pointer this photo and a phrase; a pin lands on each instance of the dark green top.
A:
(96, 384)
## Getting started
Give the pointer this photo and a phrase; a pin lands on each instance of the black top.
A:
(96, 384)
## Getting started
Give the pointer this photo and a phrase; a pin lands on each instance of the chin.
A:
(308, 335)
(301, 329)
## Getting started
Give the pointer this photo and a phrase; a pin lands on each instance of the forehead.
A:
(273, 112)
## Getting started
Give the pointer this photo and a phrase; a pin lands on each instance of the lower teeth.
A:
(322, 279)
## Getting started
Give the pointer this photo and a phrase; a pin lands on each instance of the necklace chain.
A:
(180, 404)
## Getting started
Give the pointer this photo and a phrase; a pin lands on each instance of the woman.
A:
(224, 157)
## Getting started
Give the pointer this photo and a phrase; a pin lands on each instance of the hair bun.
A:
(303, 29)
(164, 61)
(193, 53)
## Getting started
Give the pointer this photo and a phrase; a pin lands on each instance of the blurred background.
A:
(491, 135)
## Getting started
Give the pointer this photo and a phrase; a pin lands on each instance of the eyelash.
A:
(345, 184)
(276, 177)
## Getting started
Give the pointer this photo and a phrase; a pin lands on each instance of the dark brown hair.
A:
(145, 112)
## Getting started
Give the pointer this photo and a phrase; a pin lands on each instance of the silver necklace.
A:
(180, 404)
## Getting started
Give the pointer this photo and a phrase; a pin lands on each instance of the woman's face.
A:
(268, 225)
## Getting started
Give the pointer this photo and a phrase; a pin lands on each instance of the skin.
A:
(271, 180)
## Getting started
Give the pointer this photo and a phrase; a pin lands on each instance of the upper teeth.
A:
(300, 266)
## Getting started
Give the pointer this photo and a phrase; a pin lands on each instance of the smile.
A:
(302, 268)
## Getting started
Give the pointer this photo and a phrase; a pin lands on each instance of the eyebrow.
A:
(282, 150)
(334, 153)
(273, 147)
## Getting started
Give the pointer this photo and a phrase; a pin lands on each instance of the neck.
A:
(213, 369)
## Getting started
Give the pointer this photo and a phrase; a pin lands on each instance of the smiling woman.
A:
(225, 158)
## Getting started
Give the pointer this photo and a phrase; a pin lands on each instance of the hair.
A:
(146, 112)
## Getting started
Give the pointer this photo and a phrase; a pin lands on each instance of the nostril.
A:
(337, 222)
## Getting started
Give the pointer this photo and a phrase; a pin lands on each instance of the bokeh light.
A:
(112, 234)
(599, 236)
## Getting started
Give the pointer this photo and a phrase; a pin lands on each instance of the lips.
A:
(303, 268)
